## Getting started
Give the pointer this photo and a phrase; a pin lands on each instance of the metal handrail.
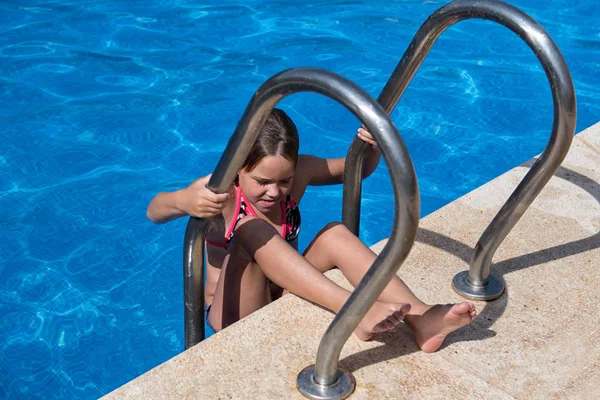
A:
(326, 376)
(477, 283)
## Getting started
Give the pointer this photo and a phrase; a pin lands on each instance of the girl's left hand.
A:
(365, 136)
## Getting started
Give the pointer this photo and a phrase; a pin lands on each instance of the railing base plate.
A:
(491, 291)
(340, 389)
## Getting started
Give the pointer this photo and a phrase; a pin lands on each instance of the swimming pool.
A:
(107, 103)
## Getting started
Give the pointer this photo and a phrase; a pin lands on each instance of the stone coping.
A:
(539, 340)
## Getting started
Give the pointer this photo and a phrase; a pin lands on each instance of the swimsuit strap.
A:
(290, 215)
(242, 208)
(211, 242)
(292, 219)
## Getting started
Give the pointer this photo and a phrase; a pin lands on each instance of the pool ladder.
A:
(324, 380)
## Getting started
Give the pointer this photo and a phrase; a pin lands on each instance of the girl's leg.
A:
(241, 289)
(335, 245)
(258, 255)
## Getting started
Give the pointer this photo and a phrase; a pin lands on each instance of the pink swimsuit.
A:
(289, 228)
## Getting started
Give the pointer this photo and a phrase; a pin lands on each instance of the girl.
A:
(252, 242)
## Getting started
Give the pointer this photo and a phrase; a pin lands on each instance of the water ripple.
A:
(27, 50)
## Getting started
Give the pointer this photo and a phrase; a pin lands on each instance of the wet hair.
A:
(278, 136)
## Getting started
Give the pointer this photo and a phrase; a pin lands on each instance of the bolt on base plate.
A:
(491, 291)
(340, 389)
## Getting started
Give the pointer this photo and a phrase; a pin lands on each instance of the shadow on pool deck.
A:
(495, 309)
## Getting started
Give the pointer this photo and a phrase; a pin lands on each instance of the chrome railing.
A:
(478, 283)
(324, 380)
(324, 377)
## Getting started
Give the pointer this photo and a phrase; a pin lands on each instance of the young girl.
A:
(252, 242)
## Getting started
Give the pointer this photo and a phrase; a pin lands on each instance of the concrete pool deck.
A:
(541, 339)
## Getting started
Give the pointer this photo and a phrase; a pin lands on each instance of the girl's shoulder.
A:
(317, 171)
(215, 234)
(216, 229)
(302, 176)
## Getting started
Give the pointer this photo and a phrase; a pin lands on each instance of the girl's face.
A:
(269, 182)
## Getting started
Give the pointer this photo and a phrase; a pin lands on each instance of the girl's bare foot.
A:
(431, 328)
(381, 317)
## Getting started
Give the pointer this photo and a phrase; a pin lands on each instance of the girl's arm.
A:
(312, 170)
(196, 200)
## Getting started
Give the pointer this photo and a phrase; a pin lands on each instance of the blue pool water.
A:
(106, 103)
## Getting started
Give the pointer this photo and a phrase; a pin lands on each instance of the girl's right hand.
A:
(199, 201)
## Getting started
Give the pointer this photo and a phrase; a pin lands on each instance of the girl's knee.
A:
(250, 226)
(335, 229)
(332, 225)
(250, 223)
(253, 232)
(333, 233)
